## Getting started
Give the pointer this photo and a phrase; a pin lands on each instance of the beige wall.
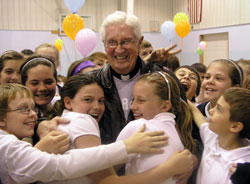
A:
(43, 14)
(217, 13)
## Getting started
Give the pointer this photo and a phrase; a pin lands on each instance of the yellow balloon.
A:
(59, 41)
(72, 24)
(182, 29)
(180, 17)
(59, 47)
(58, 44)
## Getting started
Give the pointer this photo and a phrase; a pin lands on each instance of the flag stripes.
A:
(195, 11)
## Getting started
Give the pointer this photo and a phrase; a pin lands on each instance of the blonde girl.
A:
(157, 103)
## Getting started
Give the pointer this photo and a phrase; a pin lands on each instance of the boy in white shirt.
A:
(225, 137)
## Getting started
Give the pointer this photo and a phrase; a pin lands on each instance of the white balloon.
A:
(74, 5)
(168, 30)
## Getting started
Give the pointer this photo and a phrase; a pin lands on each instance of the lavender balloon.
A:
(85, 41)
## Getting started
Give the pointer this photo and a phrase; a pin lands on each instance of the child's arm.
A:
(199, 119)
(140, 142)
(183, 178)
(149, 141)
(54, 142)
(26, 164)
(88, 141)
(51, 140)
(146, 142)
(178, 163)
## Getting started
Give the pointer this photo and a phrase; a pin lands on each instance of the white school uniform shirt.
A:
(79, 125)
(216, 162)
(138, 163)
(22, 163)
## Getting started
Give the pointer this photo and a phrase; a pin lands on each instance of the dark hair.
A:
(73, 66)
(27, 52)
(179, 107)
(196, 73)
(33, 62)
(70, 89)
(200, 67)
(172, 63)
(239, 100)
(10, 55)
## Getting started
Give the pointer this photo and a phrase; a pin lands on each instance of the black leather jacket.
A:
(113, 120)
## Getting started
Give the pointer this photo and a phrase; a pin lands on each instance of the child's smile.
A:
(18, 121)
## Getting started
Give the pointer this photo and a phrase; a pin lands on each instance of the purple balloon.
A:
(85, 41)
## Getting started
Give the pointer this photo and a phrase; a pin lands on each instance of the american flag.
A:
(195, 11)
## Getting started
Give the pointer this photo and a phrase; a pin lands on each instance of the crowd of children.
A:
(182, 124)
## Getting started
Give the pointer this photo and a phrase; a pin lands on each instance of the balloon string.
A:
(181, 43)
(75, 49)
(74, 27)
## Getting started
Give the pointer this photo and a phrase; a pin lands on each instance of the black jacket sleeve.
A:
(242, 174)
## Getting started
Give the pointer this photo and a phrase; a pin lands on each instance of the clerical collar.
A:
(130, 74)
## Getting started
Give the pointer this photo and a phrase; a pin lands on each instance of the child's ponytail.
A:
(184, 126)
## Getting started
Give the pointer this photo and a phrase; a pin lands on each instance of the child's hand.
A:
(54, 142)
(183, 178)
(162, 54)
(233, 169)
(181, 162)
(146, 142)
(47, 126)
